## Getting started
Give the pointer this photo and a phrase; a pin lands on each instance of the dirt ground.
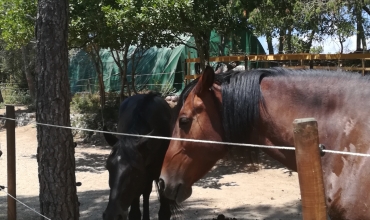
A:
(232, 188)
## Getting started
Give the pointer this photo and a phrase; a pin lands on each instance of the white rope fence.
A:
(32, 209)
(194, 140)
(176, 139)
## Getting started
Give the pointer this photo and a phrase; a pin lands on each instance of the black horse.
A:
(135, 162)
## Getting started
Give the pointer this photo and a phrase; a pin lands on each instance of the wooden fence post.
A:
(10, 142)
(306, 141)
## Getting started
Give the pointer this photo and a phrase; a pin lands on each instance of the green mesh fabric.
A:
(160, 69)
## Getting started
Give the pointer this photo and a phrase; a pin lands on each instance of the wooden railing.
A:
(287, 57)
(290, 57)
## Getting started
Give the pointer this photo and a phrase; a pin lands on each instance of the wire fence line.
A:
(170, 138)
(2, 189)
(144, 84)
(193, 140)
(13, 89)
(154, 74)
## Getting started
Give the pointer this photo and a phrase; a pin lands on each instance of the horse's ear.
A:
(205, 81)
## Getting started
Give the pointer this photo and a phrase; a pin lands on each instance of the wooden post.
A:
(10, 141)
(246, 62)
(310, 176)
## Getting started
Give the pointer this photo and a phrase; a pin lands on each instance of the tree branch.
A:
(30, 17)
(366, 9)
(184, 43)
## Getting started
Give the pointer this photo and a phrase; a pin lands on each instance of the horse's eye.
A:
(184, 120)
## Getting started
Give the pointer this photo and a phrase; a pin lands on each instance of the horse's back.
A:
(338, 103)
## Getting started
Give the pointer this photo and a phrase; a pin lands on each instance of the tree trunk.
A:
(222, 46)
(55, 152)
(136, 57)
(269, 43)
(358, 28)
(202, 43)
(29, 77)
(134, 65)
(358, 38)
(99, 70)
(133, 70)
(361, 34)
(125, 62)
(123, 71)
(289, 40)
(308, 44)
(281, 40)
(341, 44)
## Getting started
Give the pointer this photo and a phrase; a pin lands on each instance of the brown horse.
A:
(258, 107)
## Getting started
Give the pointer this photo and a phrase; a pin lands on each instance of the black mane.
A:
(242, 98)
(128, 145)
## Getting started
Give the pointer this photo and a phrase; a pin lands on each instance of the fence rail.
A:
(286, 57)
(301, 58)
(313, 205)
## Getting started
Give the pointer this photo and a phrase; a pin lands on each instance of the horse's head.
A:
(126, 172)
(199, 118)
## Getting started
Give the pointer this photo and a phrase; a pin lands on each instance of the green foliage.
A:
(310, 20)
(87, 22)
(198, 18)
(85, 103)
(269, 16)
(17, 18)
(88, 112)
(14, 95)
(17, 28)
(298, 46)
(316, 49)
(11, 66)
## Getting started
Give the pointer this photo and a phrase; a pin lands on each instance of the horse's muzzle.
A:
(176, 192)
(115, 212)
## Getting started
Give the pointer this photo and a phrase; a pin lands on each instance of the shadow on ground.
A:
(91, 162)
(238, 160)
(88, 162)
(93, 204)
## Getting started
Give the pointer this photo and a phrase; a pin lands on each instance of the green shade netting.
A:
(159, 69)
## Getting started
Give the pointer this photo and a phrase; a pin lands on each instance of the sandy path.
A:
(229, 189)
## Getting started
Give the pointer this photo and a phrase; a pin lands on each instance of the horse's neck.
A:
(285, 157)
(331, 104)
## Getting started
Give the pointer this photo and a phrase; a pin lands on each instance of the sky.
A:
(330, 45)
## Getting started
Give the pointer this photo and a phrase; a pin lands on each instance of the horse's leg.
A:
(135, 213)
(146, 195)
(165, 209)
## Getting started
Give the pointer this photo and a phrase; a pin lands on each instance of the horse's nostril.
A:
(161, 185)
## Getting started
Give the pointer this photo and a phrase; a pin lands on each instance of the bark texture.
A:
(55, 152)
